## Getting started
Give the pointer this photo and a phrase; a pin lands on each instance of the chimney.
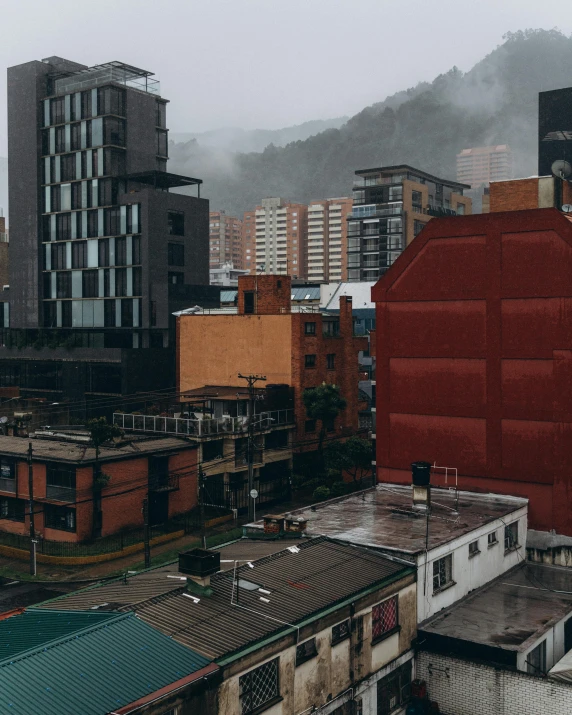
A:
(421, 478)
(199, 565)
(273, 524)
(295, 524)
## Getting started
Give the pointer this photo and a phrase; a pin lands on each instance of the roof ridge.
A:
(63, 639)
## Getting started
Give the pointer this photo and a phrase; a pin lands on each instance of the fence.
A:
(202, 427)
(188, 523)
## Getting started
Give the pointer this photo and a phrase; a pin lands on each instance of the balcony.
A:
(164, 483)
(202, 427)
(98, 75)
(58, 493)
(7, 485)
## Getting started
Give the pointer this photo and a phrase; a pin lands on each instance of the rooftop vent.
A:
(199, 565)
(421, 479)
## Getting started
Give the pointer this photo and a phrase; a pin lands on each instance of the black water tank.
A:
(421, 472)
(198, 562)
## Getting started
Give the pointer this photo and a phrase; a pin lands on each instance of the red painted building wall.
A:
(474, 358)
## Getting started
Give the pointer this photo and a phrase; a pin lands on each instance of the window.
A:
(121, 251)
(492, 538)
(511, 536)
(59, 517)
(259, 687)
(310, 328)
(176, 278)
(442, 573)
(60, 482)
(13, 509)
(331, 361)
(90, 284)
(310, 426)
(474, 549)
(309, 361)
(176, 254)
(383, 619)
(394, 690)
(536, 659)
(176, 223)
(79, 254)
(340, 632)
(306, 651)
(162, 143)
(63, 284)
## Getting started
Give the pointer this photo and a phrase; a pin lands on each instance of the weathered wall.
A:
(213, 349)
(466, 688)
(474, 358)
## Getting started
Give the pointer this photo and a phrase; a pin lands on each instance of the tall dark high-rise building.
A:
(102, 252)
(554, 128)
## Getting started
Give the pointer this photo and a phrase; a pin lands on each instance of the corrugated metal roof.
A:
(305, 293)
(319, 575)
(38, 627)
(96, 671)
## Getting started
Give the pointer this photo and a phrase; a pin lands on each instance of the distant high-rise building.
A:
(225, 239)
(281, 229)
(249, 241)
(481, 165)
(326, 257)
(391, 205)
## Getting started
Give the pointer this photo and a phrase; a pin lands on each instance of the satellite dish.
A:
(3, 420)
(561, 168)
(567, 208)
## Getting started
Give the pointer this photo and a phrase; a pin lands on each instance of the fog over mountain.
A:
(496, 102)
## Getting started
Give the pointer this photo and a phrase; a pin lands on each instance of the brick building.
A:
(535, 192)
(225, 240)
(264, 335)
(474, 358)
(65, 508)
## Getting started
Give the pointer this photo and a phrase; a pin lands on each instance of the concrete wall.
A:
(474, 358)
(465, 688)
(328, 675)
(469, 572)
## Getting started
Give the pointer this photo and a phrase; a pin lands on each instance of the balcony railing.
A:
(202, 427)
(7, 485)
(57, 493)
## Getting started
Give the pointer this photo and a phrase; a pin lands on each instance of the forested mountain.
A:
(426, 126)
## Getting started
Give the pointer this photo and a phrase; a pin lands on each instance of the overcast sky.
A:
(268, 63)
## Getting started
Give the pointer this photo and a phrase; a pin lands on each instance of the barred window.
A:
(259, 686)
(59, 517)
(511, 536)
(13, 509)
(442, 573)
(383, 618)
(306, 651)
(340, 632)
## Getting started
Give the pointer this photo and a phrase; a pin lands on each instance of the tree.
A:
(100, 432)
(323, 403)
(353, 457)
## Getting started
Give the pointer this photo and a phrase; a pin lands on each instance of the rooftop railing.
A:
(192, 427)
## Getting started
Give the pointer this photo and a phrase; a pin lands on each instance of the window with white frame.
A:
(442, 573)
(492, 538)
(536, 660)
(474, 549)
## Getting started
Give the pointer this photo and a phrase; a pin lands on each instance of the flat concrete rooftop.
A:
(383, 517)
(511, 612)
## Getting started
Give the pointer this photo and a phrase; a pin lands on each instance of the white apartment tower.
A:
(281, 229)
(327, 239)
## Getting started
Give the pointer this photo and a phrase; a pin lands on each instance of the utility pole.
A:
(146, 533)
(31, 502)
(251, 380)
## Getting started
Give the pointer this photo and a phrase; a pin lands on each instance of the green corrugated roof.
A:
(93, 670)
(35, 628)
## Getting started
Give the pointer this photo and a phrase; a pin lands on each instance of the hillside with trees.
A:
(496, 102)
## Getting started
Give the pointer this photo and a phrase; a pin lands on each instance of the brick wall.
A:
(514, 195)
(272, 293)
(466, 688)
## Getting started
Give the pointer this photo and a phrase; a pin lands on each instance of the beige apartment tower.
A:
(225, 240)
(481, 165)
